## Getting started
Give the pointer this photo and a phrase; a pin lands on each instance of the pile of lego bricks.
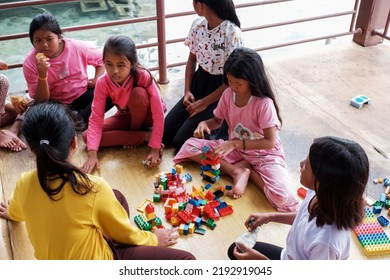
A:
(187, 211)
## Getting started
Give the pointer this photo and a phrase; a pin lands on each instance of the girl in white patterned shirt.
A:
(211, 39)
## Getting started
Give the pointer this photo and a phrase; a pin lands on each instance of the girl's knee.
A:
(139, 97)
(282, 201)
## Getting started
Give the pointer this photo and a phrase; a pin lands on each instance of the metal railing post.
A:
(372, 16)
(162, 49)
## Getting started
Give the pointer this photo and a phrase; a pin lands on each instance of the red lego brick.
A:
(225, 211)
(209, 195)
(184, 217)
(302, 192)
(214, 203)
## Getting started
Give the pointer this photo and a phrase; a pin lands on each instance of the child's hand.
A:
(201, 129)
(91, 83)
(246, 253)
(20, 108)
(3, 210)
(91, 162)
(188, 99)
(154, 157)
(255, 220)
(224, 149)
(166, 237)
(3, 65)
(42, 65)
(196, 107)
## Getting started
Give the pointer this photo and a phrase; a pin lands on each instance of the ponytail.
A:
(49, 130)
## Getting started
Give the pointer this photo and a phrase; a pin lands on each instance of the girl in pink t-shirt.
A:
(140, 110)
(254, 150)
(56, 68)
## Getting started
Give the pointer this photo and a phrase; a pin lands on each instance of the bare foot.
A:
(240, 181)
(10, 140)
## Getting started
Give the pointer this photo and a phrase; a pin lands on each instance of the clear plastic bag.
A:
(248, 238)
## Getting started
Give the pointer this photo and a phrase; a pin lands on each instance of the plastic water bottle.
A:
(248, 238)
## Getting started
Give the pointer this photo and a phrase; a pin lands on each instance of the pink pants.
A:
(126, 129)
(271, 167)
(6, 117)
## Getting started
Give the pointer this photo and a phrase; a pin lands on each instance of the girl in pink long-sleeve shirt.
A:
(136, 95)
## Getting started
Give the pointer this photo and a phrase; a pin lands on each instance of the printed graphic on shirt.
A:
(241, 132)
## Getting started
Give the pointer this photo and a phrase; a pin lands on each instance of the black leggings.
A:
(178, 127)
(83, 105)
(271, 251)
(128, 252)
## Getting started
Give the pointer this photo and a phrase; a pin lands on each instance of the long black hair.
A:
(245, 63)
(49, 130)
(340, 169)
(47, 22)
(124, 46)
(224, 9)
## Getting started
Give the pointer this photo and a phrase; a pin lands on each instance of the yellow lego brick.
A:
(191, 228)
(142, 206)
(179, 168)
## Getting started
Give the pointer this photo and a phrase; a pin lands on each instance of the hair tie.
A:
(44, 141)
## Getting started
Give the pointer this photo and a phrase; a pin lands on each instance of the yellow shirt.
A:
(73, 226)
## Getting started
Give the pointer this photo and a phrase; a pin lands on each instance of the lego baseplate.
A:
(372, 236)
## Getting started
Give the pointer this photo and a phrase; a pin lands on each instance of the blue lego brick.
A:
(359, 101)
(377, 209)
(187, 177)
(383, 221)
(194, 202)
(223, 204)
(382, 198)
(205, 149)
(386, 182)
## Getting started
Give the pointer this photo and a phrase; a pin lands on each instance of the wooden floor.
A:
(314, 88)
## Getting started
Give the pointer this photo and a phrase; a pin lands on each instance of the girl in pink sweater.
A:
(136, 96)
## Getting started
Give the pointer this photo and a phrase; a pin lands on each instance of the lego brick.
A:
(302, 192)
(359, 101)
(141, 207)
(200, 231)
(184, 217)
(211, 223)
(214, 203)
(205, 149)
(383, 221)
(218, 194)
(371, 235)
(225, 211)
(377, 209)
